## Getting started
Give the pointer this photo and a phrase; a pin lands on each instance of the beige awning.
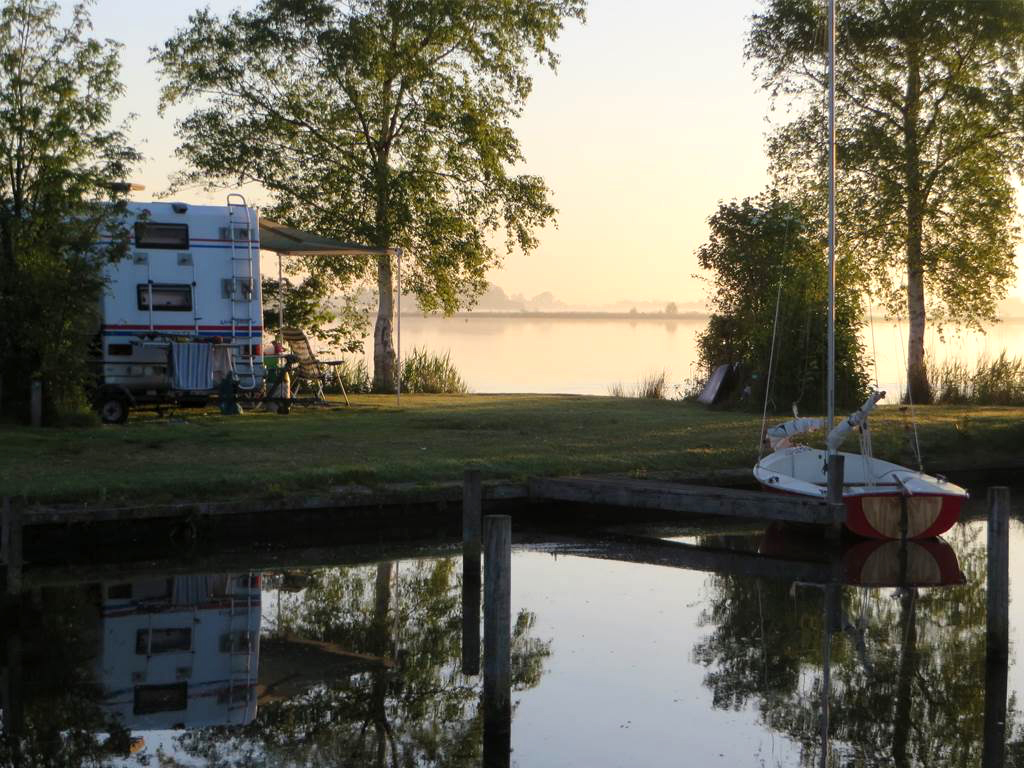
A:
(287, 241)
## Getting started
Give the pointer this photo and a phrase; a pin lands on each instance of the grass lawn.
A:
(203, 455)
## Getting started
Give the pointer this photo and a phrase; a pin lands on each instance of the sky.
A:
(652, 119)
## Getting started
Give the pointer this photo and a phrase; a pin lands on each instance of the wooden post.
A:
(836, 474)
(472, 503)
(997, 627)
(497, 641)
(12, 545)
(37, 403)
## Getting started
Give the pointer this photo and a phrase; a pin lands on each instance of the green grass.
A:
(432, 439)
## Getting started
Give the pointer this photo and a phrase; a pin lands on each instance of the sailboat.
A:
(883, 500)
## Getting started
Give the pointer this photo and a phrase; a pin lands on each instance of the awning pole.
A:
(398, 388)
(280, 302)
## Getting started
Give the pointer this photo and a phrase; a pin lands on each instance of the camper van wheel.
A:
(113, 409)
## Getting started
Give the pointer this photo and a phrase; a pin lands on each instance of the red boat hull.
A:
(879, 516)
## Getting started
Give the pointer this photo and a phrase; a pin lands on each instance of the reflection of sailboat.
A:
(872, 563)
(883, 500)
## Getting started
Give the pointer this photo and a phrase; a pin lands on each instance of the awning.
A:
(294, 242)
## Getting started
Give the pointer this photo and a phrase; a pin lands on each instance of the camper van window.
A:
(150, 234)
(166, 298)
(150, 699)
(151, 642)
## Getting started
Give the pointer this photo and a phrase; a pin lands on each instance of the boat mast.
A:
(831, 386)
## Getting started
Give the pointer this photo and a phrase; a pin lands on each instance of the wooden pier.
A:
(690, 499)
(418, 510)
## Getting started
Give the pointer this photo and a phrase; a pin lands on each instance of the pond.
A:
(704, 645)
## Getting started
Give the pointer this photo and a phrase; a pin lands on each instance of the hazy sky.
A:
(650, 121)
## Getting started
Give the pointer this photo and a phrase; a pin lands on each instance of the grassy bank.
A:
(433, 438)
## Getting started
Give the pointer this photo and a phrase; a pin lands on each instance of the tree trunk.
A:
(903, 715)
(383, 333)
(918, 390)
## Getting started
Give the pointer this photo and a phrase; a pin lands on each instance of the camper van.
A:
(182, 311)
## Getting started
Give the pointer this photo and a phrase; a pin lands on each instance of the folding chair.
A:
(309, 369)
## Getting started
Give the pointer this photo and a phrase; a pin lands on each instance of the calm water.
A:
(587, 356)
(614, 663)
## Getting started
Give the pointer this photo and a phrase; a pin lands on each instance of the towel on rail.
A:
(193, 366)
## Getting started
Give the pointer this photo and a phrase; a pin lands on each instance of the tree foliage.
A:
(59, 157)
(381, 121)
(930, 111)
(765, 252)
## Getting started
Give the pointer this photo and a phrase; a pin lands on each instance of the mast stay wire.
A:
(910, 397)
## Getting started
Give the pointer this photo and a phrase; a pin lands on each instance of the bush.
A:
(992, 382)
(755, 247)
(425, 372)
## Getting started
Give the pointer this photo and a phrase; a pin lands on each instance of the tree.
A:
(930, 132)
(765, 252)
(60, 158)
(383, 121)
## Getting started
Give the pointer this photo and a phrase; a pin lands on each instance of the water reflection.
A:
(863, 654)
(894, 672)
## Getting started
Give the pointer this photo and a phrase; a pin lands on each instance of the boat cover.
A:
(855, 419)
(778, 436)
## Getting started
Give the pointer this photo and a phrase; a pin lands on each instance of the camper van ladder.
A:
(243, 255)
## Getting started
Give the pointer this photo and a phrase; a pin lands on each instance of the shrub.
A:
(756, 246)
(425, 372)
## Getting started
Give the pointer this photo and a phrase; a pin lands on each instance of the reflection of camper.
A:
(181, 652)
(183, 308)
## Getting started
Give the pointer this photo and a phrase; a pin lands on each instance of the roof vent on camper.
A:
(179, 207)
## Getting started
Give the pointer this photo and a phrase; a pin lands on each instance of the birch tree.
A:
(383, 121)
(930, 137)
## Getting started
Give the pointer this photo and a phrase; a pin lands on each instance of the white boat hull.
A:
(882, 499)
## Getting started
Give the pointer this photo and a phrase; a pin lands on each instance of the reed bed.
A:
(993, 381)
(429, 373)
(653, 386)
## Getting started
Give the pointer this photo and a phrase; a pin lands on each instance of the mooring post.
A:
(12, 545)
(997, 635)
(497, 641)
(472, 505)
(37, 403)
(836, 472)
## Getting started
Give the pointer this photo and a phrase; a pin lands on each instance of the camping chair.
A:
(308, 369)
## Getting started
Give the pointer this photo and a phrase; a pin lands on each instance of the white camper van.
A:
(183, 310)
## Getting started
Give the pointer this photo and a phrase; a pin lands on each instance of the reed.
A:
(355, 375)
(429, 373)
(993, 381)
(653, 386)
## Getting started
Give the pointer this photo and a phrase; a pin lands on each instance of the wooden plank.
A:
(693, 499)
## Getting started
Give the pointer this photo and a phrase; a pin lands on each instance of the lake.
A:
(587, 356)
(715, 657)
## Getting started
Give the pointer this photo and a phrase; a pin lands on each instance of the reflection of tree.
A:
(401, 701)
(907, 677)
(49, 645)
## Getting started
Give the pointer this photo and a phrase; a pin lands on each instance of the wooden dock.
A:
(690, 499)
(416, 510)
